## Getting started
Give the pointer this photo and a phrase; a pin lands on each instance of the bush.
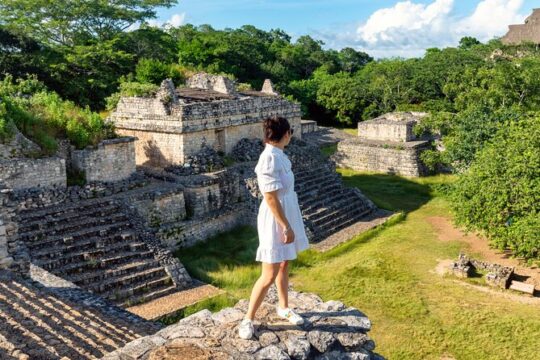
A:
(500, 193)
(43, 116)
(131, 88)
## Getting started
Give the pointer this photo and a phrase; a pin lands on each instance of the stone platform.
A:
(332, 331)
(170, 305)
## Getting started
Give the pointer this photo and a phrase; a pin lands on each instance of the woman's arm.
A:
(272, 200)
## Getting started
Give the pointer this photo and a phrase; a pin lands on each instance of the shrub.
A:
(44, 116)
(131, 88)
(499, 195)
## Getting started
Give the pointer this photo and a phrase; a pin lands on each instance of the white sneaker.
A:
(245, 330)
(290, 315)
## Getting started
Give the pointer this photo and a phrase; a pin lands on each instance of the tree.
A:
(500, 193)
(468, 42)
(75, 22)
(351, 60)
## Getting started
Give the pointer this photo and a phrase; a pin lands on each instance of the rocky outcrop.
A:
(331, 331)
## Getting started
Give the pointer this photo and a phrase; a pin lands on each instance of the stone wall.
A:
(401, 158)
(13, 252)
(190, 232)
(161, 208)
(308, 126)
(111, 160)
(20, 174)
(389, 131)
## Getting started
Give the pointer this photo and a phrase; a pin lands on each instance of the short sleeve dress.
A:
(274, 173)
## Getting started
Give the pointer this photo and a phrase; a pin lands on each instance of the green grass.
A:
(388, 274)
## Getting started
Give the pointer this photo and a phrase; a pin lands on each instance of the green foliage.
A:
(500, 193)
(45, 117)
(131, 88)
(154, 72)
(76, 21)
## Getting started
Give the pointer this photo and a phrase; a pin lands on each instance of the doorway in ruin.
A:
(220, 140)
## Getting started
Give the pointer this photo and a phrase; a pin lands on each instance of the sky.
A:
(382, 28)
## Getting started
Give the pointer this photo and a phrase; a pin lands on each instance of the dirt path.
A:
(475, 244)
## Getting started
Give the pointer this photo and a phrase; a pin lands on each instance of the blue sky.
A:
(381, 27)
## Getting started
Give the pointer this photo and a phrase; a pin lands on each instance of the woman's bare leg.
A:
(282, 284)
(268, 275)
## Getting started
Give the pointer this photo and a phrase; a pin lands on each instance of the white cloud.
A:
(408, 28)
(175, 20)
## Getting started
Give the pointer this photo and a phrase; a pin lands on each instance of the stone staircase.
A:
(328, 206)
(95, 245)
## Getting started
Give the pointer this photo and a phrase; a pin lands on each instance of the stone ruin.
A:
(528, 32)
(107, 245)
(497, 275)
(208, 112)
(385, 144)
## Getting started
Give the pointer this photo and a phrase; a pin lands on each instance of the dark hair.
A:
(275, 128)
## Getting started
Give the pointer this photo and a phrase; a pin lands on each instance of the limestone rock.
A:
(331, 331)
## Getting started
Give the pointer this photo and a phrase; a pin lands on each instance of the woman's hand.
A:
(288, 236)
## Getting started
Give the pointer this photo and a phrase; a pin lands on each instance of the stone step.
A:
(105, 263)
(319, 179)
(352, 219)
(73, 225)
(331, 183)
(335, 211)
(154, 294)
(312, 205)
(317, 192)
(338, 218)
(309, 172)
(138, 288)
(85, 245)
(323, 210)
(98, 256)
(121, 281)
(101, 230)
(89, 277)
(77, 207)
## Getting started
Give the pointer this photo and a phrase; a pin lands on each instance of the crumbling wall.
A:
(25, 173)
(111, 160)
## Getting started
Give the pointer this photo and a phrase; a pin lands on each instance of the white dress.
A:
(274, 173)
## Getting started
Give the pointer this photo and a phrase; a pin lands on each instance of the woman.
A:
(279, 224)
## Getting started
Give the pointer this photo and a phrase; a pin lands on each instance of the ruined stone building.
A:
(175, 123)
(528, 32)
(386, 144)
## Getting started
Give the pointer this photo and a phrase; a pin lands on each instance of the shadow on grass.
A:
(392, 192)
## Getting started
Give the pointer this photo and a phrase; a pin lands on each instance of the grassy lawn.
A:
(388, 274)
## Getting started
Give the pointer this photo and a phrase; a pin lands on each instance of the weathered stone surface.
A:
(329, 337)
(528, 32)
(26, 173)
(385, 144)
(111, 160)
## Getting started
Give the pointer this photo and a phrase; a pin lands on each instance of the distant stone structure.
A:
(175, 123)
(528, 32)
(385, 144)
